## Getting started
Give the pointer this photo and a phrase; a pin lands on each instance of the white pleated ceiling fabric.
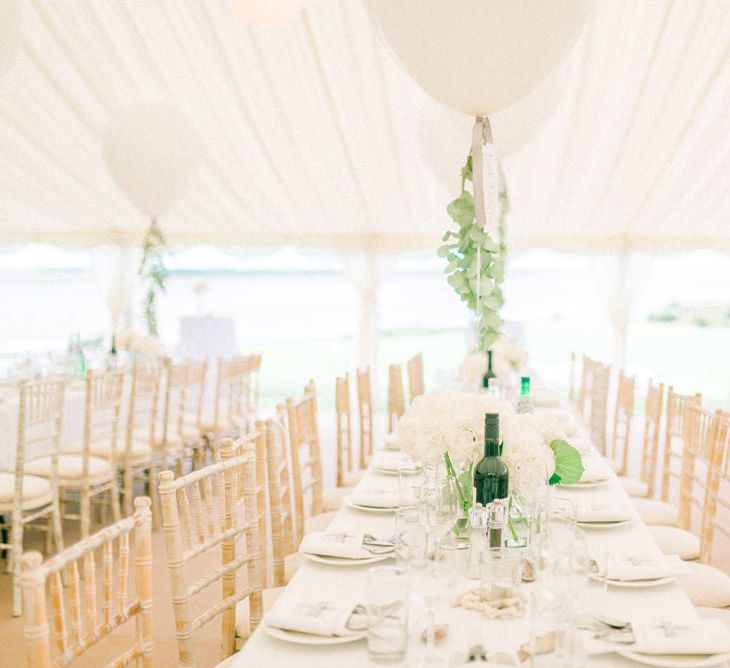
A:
(314, 136)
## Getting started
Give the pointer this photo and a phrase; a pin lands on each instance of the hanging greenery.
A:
(153, 273)
(476, 261)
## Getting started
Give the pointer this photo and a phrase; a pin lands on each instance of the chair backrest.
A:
(305, 455)
(343, 415)
(698, 434)
(40, 416)
(183, 399)
(719, 477)
(236, 393)
(674, 437)
(586, 385)
(416, 386)
(650, 440)
(572, 393)
(623, 412)
(200, 515)
(396, 397)
(600, 378)
(103, 406)
(365, 414)
(281, 506)
(78, 621)
(144, 393)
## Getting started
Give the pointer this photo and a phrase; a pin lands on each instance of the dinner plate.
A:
(368, 509)
(310, 638)
(585, 485)
(410, 470)
(602, 525)
(676, 660)
(637, 584)
(341, 561)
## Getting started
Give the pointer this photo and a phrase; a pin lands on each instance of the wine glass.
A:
(441, 500)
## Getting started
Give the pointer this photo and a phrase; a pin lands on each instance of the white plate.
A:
(339, 561)
(602, 525)
(676, 660)
(309, 638)
(415, 470)
(368, 509)
(636, 584)
(585, 485)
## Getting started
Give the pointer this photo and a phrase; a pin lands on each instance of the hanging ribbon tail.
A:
(485, 175)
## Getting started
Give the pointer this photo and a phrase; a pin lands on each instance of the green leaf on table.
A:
(568, 463)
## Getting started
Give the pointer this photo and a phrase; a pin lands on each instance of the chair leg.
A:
(57, 526)
(85, 511)
(128, 490)
(114, 501)
(15, 554)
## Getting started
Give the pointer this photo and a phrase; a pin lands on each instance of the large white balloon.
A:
(259, 12)
(10, 32)
(479, 56)
(152, 151)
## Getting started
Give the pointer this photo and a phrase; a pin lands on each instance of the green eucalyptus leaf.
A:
(568, 462)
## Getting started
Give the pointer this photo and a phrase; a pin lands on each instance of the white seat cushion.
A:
(673, 540)
(319, 522)
(332, 498)
(70, 468)
(706, 586)
(615, 464)
(723, 614)
(656, 512)
(36, 491)
(141, 452)
(634, 486)
(243, 630)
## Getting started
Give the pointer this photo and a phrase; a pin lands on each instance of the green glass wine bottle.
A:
(489, 376)
(491, 475)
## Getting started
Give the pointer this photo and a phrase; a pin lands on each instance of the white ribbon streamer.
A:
(484, 163)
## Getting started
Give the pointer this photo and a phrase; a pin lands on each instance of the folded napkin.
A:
(392, 461)
(594, 471)
(636, 568)
(375, 497)
(602, 512)
(391, 442)
(709, 636)
(321, 618)
(343, 545)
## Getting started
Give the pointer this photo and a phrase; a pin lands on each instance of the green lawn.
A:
(692, 358)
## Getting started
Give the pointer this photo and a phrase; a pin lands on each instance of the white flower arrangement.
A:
(131, 341)
(447, 421)
(507, 356)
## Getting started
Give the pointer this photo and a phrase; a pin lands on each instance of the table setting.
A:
(420, 568)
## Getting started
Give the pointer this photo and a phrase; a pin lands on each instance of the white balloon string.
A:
(479, 280)
(485, 205)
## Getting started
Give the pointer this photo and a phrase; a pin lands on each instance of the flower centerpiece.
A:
(449, 424)
(508, 357)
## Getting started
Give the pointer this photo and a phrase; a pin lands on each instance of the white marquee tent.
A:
(313, 135)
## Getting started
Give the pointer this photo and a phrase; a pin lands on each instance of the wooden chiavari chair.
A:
(365, 414)
(343, 413)
(618, 454)
(644, 485)
(78, 623)
(244, 405)
(705, 468)
(600, 379)
(309, 498)
(201, 515)
(89, 468)
(28, 498)
(572, 394)
(586, 386)
(416, 386)
(396, 397)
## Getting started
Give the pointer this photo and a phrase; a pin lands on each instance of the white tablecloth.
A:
(317, 581)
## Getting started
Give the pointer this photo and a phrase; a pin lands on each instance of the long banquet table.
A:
(315, 581)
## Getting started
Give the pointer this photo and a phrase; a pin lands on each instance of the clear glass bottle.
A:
(524, 405)
(478, 527)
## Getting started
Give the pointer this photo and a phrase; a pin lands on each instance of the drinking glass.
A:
(411, 537)
(410, 488)
(441, 499)
(501, 571)
(388, 591)
(554, 643)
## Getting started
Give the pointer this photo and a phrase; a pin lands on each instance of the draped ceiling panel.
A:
(315, 136)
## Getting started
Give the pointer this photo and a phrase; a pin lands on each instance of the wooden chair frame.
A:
(650, 439)
(40, 415)
(600, 379)
(718, 474)
(343, 416)
(586, 386)
(191, 528)
(79, 626)
(622, 415)
(416, 386)
(396, 396)
(365, 415)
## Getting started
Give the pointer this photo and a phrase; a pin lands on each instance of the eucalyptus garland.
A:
(467, 272)
(153, 273)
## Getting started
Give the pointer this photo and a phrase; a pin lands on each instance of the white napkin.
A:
(375, 497)
(321, 618)
(344, 545)
(636, 568)
(392, 461)
(602, 512)
(709, 636)
(594, 471)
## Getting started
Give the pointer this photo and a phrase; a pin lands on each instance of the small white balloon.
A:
(11, 16)
(479, 56)
(152, 151)
(260, 12)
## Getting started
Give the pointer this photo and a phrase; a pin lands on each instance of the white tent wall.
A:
(313, 136)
